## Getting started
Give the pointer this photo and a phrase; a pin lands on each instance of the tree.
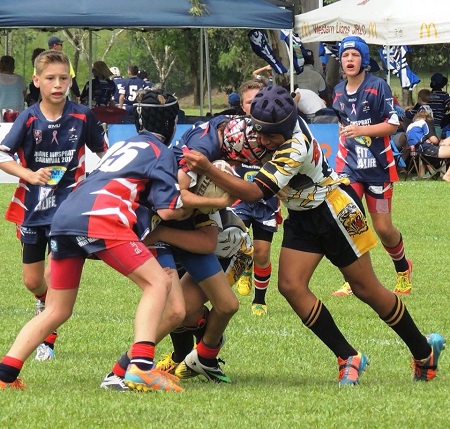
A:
(160, 52)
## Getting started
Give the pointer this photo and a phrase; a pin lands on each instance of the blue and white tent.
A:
(89, 14)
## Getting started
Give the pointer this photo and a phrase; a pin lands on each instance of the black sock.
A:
(124, 361)
(8, 373)
(260, 296)
(403, 325)
(322, 324)
(183, 343)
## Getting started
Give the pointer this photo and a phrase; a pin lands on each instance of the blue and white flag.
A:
(298, 48)
(399, 66)
(260, 46)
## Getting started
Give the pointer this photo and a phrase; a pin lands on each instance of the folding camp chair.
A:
(418, 160)
(397, 155)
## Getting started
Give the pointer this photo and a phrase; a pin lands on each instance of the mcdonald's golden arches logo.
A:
(305, 31)
(428, 30)
(373, 29)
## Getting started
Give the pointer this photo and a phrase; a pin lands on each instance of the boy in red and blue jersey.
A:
(367, 117)
(134, 178)
(49, 139)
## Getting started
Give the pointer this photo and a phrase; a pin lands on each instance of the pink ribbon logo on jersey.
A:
(55, 139)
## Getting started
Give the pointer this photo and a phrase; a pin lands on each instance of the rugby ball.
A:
(205, 187)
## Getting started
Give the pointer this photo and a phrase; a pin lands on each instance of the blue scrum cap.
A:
(355, 42)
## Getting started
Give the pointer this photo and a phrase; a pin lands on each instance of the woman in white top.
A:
(12, 86)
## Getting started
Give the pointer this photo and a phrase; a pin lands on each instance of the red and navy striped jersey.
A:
(364, 158)
(40, 143)
(137, 173)
(202, 137)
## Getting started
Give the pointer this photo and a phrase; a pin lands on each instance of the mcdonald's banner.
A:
(379, 22)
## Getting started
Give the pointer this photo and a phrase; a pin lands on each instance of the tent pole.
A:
(90, 69)
(388, 62)
(201, 71)
(208, 69)
(291, 59)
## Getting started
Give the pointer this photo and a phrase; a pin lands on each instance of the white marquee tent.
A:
(379, 22)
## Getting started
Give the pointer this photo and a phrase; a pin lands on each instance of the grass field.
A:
(283, 377)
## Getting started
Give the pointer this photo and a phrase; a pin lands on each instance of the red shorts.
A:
(378, 195)
(68, 257)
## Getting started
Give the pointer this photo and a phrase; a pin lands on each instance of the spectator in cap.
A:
(56, 44)
(55, 41)
(115, 71)
(234, 102)
(439, 100)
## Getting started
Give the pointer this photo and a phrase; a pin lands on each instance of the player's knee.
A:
(288, 287)
(228, 307)
(176, 316)
(33, 284)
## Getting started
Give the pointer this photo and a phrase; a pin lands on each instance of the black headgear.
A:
(273, 111)
(156, 111)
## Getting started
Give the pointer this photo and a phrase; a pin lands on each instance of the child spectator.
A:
(423, 100)
(424, 142)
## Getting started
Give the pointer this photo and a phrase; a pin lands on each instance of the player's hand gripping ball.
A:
(207, 188)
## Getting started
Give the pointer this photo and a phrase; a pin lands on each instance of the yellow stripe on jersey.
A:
(351, 221)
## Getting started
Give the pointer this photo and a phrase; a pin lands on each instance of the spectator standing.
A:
(103, 87)
(56, 44)
(34, 94)
(311, 79)
(12, 86)
(439, 99)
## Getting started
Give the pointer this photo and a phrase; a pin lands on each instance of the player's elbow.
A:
(252, 193)
(174, 214)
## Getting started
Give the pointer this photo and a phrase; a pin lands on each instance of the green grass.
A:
(283, 377)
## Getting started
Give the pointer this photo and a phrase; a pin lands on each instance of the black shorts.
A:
(35, 243)
(430, 150)
(337, 229)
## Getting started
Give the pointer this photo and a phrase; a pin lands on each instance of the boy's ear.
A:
(35, 80)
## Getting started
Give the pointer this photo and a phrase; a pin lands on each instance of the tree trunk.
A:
(279, 48)
(333, 75)
(407, 97)
(406, 93)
